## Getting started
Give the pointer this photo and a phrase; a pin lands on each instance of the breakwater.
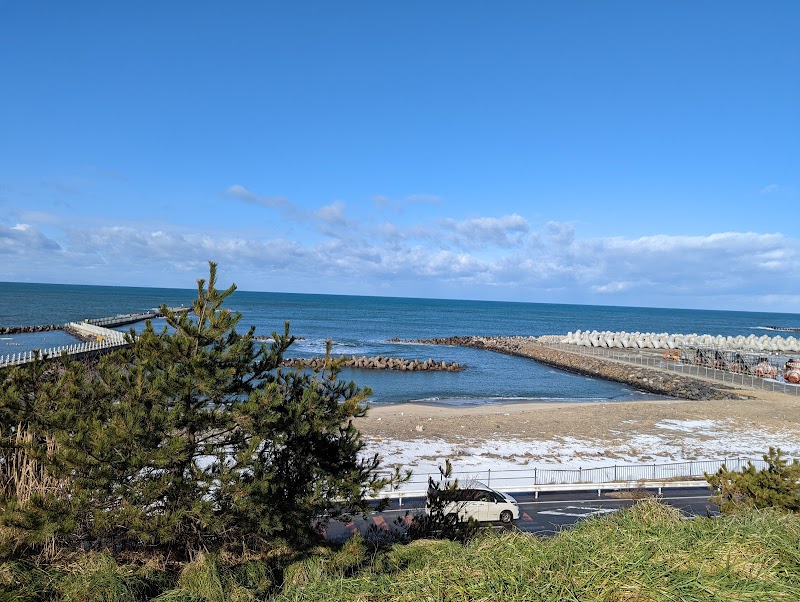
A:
(377, 363)
(664, 340)
(29, 329)
(642, 378)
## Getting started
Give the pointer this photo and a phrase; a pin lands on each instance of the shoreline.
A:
(480, 402)
(566, 434)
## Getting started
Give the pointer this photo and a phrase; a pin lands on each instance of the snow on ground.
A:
(673, 441)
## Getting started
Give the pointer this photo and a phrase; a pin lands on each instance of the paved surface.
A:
(546, 515)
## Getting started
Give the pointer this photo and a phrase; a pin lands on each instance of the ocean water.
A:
(363, 325)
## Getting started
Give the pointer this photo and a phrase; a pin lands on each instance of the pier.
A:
(97, 336)
(124, 319)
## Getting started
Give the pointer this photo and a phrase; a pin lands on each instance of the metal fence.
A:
(524, 478)
(656, 360)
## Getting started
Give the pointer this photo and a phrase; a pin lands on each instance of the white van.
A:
(480, 502)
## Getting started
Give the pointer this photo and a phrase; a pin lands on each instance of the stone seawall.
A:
(29, 329)
(642, 378)
(377, 363)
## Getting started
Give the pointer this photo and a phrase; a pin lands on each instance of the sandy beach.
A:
(569, 435)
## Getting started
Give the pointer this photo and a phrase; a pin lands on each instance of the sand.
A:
(582, 434)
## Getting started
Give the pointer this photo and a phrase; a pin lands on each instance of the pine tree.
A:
(776, 486)
(195, 437)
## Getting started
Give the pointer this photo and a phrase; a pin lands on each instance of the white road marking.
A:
(585, 511)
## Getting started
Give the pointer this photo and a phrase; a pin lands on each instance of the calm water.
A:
(362, 326)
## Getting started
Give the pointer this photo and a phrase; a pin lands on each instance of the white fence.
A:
(16, 359)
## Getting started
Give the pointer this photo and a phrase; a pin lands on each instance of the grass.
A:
(23, 477)
(647, 553)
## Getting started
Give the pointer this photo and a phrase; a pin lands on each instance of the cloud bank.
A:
(479, 257)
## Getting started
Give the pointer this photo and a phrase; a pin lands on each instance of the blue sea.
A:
(363, 325)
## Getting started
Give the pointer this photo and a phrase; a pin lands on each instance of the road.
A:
(548, 514)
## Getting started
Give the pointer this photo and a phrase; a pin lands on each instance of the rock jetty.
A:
(641, 378)
(29, 329)
(377, 363)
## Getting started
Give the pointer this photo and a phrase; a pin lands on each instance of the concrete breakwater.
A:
(378, 363)
(29, 329)
(664, 340)
(639, 377)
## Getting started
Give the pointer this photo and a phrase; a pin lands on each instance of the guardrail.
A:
(655, 360)
(659, 486)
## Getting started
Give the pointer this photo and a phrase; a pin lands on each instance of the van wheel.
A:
(506, 516)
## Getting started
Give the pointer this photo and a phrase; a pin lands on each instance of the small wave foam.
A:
(484, 401)
(338, 347)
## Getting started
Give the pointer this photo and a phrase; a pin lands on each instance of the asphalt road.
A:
(548, 514)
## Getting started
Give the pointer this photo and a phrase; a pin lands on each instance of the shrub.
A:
(776, 486)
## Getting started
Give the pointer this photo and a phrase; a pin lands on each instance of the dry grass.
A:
(22, 477)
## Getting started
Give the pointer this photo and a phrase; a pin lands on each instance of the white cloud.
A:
(332, 214)
(612, 287)
(478, 233)
(23, 239)
(770, 188)
(500, 257)
(238, 191)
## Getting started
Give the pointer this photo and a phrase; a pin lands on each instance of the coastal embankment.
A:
(642, 378)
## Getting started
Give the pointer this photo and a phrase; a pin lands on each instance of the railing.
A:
(123, 319)
(16, 359)
(522, 479)
(655, 360)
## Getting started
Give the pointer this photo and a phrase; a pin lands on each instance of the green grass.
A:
(647, 553)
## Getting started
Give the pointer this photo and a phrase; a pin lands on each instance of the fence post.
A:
(535, 476)
(489, 478)
(615, 472)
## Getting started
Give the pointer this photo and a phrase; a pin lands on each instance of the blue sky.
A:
(615, 153)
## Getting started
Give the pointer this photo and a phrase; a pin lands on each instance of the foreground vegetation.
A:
(191, 440)
(645, 553)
